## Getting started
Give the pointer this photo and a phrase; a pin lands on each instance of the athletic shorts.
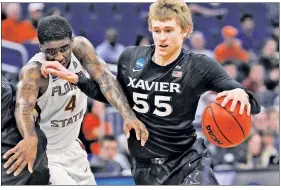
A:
(192, 167)
(40, 175)
(70, 166)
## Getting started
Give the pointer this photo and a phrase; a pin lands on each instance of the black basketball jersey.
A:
(165, 98)
(10, 135)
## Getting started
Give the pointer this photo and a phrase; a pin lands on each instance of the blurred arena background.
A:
(253, 61)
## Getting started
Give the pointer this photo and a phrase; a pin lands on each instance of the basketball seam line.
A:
(234, 119)
(217, 125)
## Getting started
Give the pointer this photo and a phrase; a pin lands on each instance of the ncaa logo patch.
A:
(140, 63)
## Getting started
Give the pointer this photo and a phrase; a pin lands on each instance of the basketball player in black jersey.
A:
(11, 137)
(163, 84)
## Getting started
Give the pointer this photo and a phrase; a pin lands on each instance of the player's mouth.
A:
(163, 47)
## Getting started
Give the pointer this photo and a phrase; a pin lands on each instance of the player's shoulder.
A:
(34, 66)
(198, 58)
(200, 61)
(133, 52)
(138, 49)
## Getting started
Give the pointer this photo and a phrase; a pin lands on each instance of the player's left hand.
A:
(57, 69)
(236, 95)
(138, 126)
(22, 154)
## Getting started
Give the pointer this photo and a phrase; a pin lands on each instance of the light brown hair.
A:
(171, 9)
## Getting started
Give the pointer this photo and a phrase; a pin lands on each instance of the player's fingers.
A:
(55, 72)
(233, 105)
(11, 160)
(9, 152)
(20, 168)
(248, 108)
(43, 72)
(242, 107)
(225, 100)
(30, 165)
(15, 165)
(221, 94)
(137, 130)
(144, 134)
(126, 130)
(52, 64)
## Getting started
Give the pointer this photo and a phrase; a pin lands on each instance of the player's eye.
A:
(157, 31)
(51, 52)
(168, 31)
(64, 49)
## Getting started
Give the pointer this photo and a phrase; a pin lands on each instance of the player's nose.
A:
(59, 57)
(163, 36)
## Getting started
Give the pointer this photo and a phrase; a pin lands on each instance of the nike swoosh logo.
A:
(134, 70)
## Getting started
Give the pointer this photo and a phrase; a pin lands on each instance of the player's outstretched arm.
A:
(109, 86)
(27, 91)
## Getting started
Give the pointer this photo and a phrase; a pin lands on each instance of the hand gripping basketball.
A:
(223, 127)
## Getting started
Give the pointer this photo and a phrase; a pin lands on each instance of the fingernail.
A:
(8, 172)
(15, 174)
(5, 166)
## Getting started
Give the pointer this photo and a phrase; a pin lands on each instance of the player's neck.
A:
(166, 60)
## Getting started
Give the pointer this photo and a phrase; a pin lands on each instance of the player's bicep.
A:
(85, 52)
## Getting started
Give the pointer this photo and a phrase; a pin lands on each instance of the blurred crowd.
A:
(251, 59)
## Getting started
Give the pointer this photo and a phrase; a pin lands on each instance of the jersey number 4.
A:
(159, 102)
(71, 104)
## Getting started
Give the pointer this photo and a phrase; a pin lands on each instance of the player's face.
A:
(168, 36)
(59, 50)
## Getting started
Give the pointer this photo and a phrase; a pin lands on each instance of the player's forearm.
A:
(112, 91)
(24, 111)
(229, 84)
(90, 88)
(25, 120)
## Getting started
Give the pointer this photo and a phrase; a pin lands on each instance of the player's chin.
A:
(163, 53)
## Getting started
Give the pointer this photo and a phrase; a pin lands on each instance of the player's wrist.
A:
(129, 115)
(74, 79)
(31, 137)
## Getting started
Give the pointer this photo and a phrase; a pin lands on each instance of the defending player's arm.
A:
(216, 78)
(27, 91)
(99, 70)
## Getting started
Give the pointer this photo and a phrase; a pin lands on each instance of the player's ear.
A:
(185, 32)
(40, 47)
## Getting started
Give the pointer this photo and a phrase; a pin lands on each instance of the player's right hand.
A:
(22, 154)
(141, 131)
(57, 69)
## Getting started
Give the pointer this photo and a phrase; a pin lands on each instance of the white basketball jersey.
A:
(62, 107)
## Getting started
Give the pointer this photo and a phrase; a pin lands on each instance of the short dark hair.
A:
(246, 16)
(107, 138)
(53, 28)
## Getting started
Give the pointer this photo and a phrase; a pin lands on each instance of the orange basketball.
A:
(225, 128)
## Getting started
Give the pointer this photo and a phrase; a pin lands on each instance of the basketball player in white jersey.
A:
(61, 105)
